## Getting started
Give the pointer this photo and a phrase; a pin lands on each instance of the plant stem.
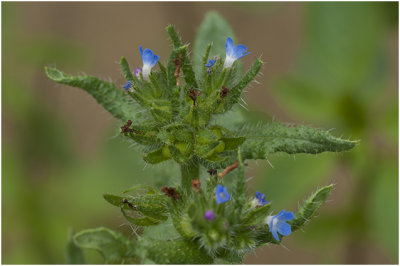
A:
(189, 171)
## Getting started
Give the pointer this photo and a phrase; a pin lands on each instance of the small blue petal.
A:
(286, 216)
(283, 229)
(280, 213)
(128, 85)
(275, 235)
(244, 55)
(155, 60)
(229, 46)
(210, 63)
(141, 50)
(148, 57)
(240, 49)
(221, 194)
(260, 199)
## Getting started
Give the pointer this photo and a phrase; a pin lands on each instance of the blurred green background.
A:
(328, 65)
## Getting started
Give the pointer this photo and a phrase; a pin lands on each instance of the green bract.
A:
(172, 115)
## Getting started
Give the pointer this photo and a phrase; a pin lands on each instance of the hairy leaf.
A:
(141, 221)
(74, 254)
(106, 93)
(310, 206)
(148, 205)
(148, 189)
(235, 93)
(114, 247)
(174, 36)
(125, 69)
(263, 140)
(158, 155)
(232, 143)
(176, 252)
(256, 215)
(186, 65)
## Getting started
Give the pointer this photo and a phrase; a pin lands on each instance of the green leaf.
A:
(148, 205)
(179, 156)
(256, 215)
(310, 206)
(232, 143)
(177, 252)
(171, 67)
(106, 93)
(74, 254)
(141, 221)
(114, 247)
(235, 93)
(173, 35)
(163, 231)
(149, 189)
(265, 139)
(214, 29)
(186, 65)
(125, 69)
(188, 72)
(160, 155)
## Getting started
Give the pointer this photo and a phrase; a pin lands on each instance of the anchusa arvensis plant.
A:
(180, 111)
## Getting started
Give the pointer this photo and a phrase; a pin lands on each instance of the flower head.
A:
(149, 60)
(233, 52)
(128, 85)
(137, 71)
(211, 63)
(222, 194)
(260, 199)
(209, 215)
(277, 224)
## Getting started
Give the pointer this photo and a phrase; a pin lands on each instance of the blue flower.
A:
(260, 199)
(277, 224)
(222, 194)
(233, 52)
(149, 60)
(211, 63)
(128, 85)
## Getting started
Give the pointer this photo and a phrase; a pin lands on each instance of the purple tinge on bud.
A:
(138, 71)
(209, 215)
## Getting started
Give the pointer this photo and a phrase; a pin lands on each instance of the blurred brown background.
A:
(329, 65)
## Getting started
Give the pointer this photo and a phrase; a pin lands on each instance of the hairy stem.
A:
(189, 171)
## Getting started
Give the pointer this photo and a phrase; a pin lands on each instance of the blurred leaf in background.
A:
(47, 186)
(342, 80)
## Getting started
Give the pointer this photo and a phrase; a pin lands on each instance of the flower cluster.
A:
(149, 59)
(277, 223)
